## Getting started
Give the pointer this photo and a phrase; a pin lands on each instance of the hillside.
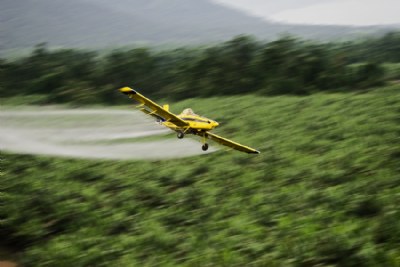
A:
(324, 192)
(90, 23)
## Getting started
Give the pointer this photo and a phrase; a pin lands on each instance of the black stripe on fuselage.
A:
(196, 120)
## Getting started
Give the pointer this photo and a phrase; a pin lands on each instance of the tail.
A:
(166, 107)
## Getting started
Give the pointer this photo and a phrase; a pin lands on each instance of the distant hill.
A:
(102, 23)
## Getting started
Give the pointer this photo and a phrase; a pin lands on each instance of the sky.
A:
(330, 12)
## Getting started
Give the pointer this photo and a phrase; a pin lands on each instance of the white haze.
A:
(331, 12)
(87, 133)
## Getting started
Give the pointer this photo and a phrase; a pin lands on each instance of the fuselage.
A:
(196, 122)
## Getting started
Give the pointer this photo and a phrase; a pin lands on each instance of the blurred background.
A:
(314, 85)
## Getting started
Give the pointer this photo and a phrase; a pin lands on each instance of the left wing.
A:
(230, 143)
(154, 108)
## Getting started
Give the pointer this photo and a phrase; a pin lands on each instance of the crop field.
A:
(325, 190)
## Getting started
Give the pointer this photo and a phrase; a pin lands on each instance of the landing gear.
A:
(205, 147)
(180, 135)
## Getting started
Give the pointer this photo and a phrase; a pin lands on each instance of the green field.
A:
(325, 191)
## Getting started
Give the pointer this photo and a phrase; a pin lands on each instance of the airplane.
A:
(185, 123)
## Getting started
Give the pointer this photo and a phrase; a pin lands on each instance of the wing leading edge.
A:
(230, 143)
(154, 108)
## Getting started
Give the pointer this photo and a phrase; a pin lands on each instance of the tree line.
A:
(240, 65)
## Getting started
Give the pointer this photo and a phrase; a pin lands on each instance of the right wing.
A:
(230, 143)
(153, 108)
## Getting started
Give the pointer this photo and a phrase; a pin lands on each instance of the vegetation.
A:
(324, 192)
(241, 65)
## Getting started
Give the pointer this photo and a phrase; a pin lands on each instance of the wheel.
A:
(204, 147)
(180, 135)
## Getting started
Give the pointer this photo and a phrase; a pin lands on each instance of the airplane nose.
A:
(215, 124)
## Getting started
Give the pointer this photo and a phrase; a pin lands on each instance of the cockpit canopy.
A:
(188, 111)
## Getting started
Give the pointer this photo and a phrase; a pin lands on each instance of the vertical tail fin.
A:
(166, 107)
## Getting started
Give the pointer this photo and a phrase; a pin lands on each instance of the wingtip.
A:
(127, 90)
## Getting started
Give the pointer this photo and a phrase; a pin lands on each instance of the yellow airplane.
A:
(185, 123)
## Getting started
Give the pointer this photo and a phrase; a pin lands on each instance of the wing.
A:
(153, 108)
(230, 143)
